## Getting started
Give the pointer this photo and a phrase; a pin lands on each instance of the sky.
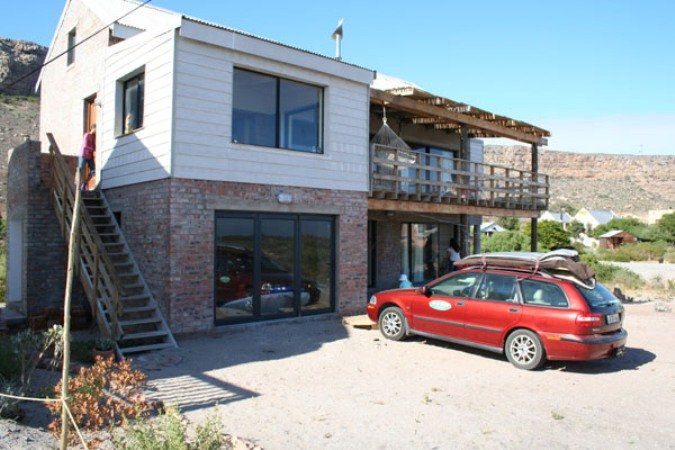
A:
(599, 74)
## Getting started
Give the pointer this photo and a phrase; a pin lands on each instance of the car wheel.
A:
(392, 323)
(524, 350)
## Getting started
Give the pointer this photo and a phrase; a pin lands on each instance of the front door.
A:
(89, 120)
(495, 309)
(443, 313)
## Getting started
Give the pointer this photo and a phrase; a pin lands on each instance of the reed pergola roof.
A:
(424, 108)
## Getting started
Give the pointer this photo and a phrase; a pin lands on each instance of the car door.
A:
(442, 313)
(494, 310)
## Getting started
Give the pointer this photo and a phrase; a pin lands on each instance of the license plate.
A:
(612, 318)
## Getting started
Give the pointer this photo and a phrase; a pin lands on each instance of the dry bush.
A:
(103, 395)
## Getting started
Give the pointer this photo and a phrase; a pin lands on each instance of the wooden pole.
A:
(464, 155)
(535, 177)
(72, 262)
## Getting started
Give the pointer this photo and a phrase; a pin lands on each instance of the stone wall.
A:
(169, 225)
(43, 265)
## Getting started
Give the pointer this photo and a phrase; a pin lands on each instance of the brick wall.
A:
(45, 253)
(169, 225)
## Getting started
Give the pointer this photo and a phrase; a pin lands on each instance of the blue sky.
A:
(599, 74)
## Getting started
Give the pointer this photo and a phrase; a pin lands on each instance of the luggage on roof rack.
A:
(563, 264)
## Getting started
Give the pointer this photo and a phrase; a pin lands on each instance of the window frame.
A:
(277, 119)
(472, 295)
(70, 44)
(518, 299)
(135, 76)
(522, 297)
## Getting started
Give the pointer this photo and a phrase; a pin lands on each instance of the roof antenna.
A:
(337, 37)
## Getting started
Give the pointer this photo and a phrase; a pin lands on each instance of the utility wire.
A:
(77, 44)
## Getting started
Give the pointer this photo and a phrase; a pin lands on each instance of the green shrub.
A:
(550, 235)
(613, 276)
(506, 241)
(81, 351)
(639, 251)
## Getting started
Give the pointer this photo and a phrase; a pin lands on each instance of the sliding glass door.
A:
(272, 266)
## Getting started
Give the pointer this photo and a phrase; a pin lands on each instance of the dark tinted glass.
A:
(458, 286)
(277, 241)
(300, 116)
(316, 264)
(234, 268)
(540, 293)
(254, 109)
(134, 96)
(598, 297)
(498, 287)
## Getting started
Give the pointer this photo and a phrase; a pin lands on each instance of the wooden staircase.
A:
(121, 301)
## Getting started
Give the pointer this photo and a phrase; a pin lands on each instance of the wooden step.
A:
(142, 321)
(139, 309)
(134, 297)
(133, 286)
(145, 348)
(144, 335)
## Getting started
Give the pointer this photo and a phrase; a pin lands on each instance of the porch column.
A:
(535, 170)
(476, 237)
(464, 155)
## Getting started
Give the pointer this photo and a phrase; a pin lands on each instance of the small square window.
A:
(70, 56)
(133, 97)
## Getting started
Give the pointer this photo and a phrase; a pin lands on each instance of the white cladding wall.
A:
(144, 155)
(202, 139)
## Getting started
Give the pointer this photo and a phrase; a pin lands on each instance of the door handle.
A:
(460, 303)
(514, 310)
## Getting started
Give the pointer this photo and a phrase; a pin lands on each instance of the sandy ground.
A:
(648, 270)
(319, 384)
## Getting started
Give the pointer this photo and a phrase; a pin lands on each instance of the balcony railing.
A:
(409, 175)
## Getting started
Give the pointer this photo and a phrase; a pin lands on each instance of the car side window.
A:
(461, 285)
(498, 287)
(541, 293)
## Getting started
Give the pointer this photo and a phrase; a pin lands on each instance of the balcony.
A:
(420, 177)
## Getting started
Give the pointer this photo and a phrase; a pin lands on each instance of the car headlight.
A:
(373, 300)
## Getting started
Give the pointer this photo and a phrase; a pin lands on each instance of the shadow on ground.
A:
(187, 380)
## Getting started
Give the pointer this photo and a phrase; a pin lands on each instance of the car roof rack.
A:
(562, 264)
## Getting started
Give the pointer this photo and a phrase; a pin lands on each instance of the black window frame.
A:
(257, 218)
(71, 41)
(277, 119)
(140, 102)
(518, 299)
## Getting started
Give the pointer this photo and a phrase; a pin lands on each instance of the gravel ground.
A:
(319, 384)
(648, 270)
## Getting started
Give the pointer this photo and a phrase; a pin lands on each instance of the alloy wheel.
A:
(391, 324)
(523, 349)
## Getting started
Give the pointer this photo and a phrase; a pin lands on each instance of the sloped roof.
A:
(491, 226)
(560, 216)
(612, 233)
(601, 215)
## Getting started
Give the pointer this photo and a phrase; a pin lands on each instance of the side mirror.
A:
(426, 291)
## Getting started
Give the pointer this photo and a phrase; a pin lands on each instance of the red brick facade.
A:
(169, 225)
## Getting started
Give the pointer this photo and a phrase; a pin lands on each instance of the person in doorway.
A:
(86, 158)
(404, 283)
(453, 254)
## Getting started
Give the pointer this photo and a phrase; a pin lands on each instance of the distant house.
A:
(592, 218)
(654, 215)
(561, 217)
(616, 238)
(490, 228)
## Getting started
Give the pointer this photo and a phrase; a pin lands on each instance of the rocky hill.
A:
(17, 59)
(624, 183)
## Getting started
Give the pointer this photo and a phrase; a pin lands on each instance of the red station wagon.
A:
(508, 303)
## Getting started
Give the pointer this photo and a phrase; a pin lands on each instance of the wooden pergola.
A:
(424, 108)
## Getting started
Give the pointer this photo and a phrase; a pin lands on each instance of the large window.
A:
(273, 265)
(498, 287)
(275, 112)
(133, 98)
(424, 250)
(541, 293)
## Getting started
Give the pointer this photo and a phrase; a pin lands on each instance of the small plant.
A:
(556, 415)
(104, 395)
(104, 345)
(209, 436)
(9, 407)
(31, 348)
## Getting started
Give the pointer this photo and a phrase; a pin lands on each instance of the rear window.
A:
(598, 297)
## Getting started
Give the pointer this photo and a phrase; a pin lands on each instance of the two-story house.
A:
(240, 173)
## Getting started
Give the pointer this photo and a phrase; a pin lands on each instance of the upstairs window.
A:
(133, 97)
(70, 56)
(275, 112)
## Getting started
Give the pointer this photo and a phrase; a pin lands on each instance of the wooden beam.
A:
(383, 204)
(419, 108)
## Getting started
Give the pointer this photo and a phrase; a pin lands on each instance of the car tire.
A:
(392, 323)
(524, 350)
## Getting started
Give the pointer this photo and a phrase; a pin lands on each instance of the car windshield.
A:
(598, 297)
